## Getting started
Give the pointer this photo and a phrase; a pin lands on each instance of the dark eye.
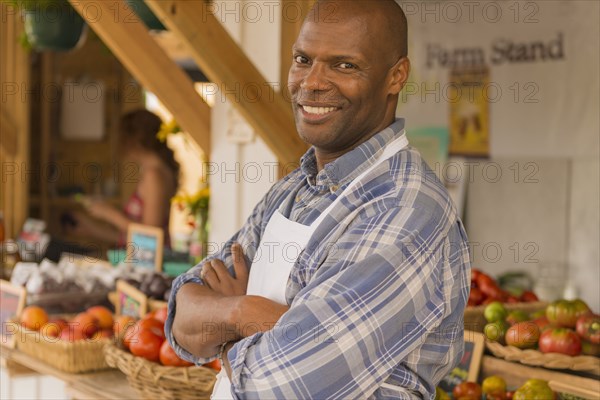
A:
(300, 60)
(346, 65)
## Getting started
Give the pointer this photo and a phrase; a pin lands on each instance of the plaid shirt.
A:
(377, 296)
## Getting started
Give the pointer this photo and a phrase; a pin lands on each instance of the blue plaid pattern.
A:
(377, 296)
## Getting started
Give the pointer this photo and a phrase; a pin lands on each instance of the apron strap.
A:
(389, 151)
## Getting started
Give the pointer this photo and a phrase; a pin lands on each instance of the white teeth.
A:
(318, 110)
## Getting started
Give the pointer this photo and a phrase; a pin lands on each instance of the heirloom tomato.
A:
(564, 313)
(560, 340)
(523, 335)
(467, 391)
(588, 327)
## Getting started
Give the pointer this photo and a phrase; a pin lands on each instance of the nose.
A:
(315, 78)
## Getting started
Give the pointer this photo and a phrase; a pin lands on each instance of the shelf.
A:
(110, 384)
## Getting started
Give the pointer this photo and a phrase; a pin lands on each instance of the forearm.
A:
(204, 319)
(104, 233)
(117, 219)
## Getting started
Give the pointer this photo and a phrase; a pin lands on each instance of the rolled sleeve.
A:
(192, 276)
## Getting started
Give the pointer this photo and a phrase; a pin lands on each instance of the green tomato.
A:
(495, 311)
(516, 316)
(496, 331)
(441, 394)
(534, 389)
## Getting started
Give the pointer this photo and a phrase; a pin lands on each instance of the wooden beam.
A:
(8, 133)
(224, 62)
(129, 39)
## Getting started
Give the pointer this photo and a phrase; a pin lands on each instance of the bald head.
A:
(385, 21)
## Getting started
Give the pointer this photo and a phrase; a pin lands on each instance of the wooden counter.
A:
(108, 384)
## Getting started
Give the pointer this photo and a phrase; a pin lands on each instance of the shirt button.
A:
(297, 199)
(333, 188)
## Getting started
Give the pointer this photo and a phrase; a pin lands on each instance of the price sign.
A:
(145, 246)
(130, 301)
(12, 301)
(468, 367)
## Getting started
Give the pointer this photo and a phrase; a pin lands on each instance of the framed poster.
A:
(130, 301)
(12, 302)
(468, 367)
(469, 111)
(145, 246)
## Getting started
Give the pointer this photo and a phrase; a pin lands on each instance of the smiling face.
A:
(344, 80)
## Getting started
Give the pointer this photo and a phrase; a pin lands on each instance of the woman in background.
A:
(150, 203)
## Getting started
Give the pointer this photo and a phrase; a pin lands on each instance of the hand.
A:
(216, 276)
(99, 209)
(77, 224)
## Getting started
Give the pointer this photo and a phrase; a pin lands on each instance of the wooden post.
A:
(223, 62)
(128, 38)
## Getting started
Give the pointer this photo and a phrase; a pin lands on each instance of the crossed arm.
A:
(220, 311)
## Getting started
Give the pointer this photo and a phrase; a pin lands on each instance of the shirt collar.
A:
(352, 163)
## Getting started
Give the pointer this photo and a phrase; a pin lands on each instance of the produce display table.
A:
(109, 384)
(516, 374)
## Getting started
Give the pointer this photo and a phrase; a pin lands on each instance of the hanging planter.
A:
(145, 14)
(51, 24)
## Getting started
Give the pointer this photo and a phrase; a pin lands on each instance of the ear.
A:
(399, 75)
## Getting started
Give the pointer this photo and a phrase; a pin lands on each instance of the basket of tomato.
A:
(486, 290)
(152, 367)
(69, 343)
(566, 335)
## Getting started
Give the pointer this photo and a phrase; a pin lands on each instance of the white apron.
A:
(281, 244)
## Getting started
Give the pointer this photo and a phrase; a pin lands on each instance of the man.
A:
(358, 264)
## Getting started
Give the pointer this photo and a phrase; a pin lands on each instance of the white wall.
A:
(240, 174)
(546, 204)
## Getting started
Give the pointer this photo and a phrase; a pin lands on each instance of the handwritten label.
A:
(145, 246)
(130, 301)
(468, 367)
(12, 301)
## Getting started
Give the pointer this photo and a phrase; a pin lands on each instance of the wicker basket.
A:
(589, 364)
(73, 357)
(475, 321)
(155, 381)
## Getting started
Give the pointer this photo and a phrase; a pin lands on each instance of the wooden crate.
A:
(516, 374)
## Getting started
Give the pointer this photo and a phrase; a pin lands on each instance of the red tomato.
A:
(128, 335)
(489, 288)
(542, 323)
(474, 276)
(484, 279)
(523, 335)
(512, 299)
(588, 327)
(475, 297)
(560, 340)
(528, 296)
(467, 391)
(214, 364)
(168, 357)
(154, 325)
(146, 344)
(564, 313)
(161, 315)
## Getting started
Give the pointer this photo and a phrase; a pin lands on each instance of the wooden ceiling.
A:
(197, 33)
